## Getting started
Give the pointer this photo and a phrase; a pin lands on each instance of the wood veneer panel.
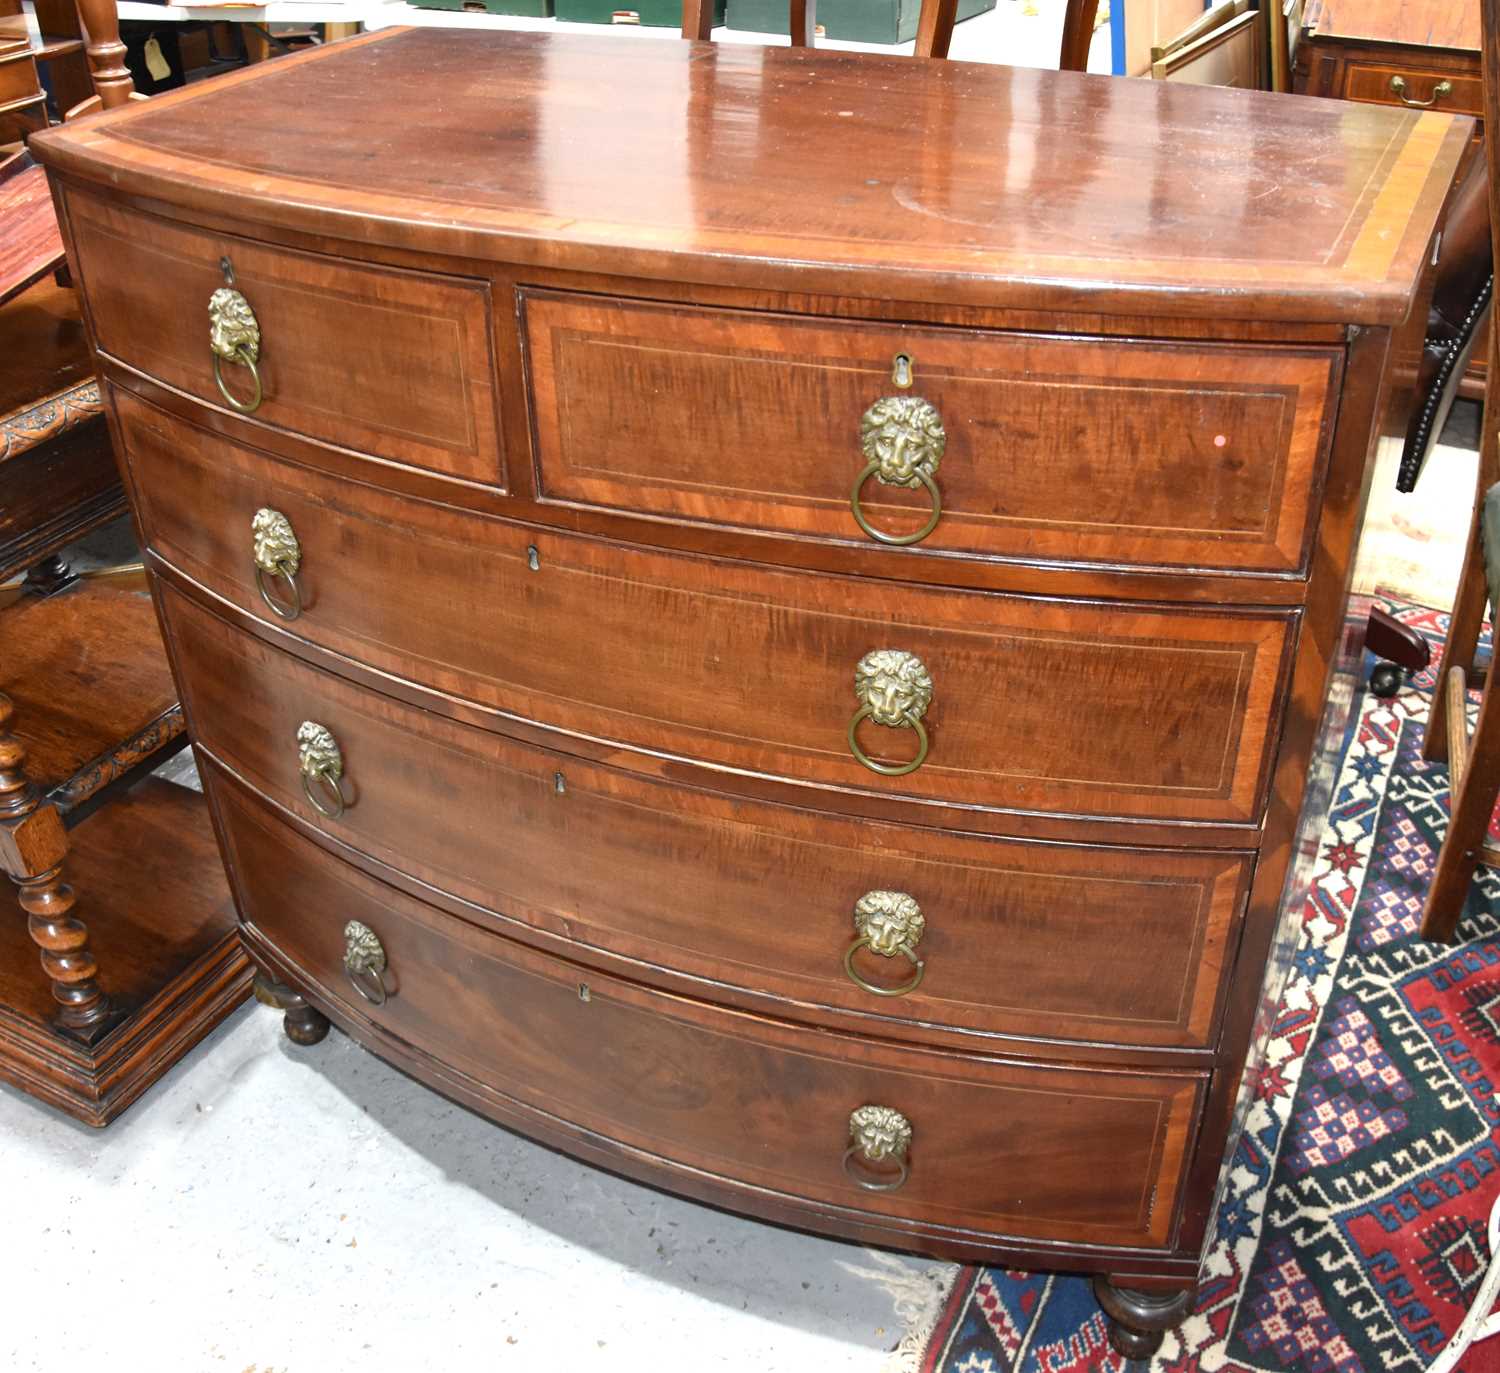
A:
(999, 1147)
(1188, 455)
(740, 668)
(397, 364)
(629, 866)
(796, 169)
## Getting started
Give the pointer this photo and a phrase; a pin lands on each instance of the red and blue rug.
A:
(1353, 1234)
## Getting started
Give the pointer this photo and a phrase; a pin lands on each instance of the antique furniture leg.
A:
(50, 576)
(1401, 648)
(32, 849)
(304, 1023)
(1139, 1320)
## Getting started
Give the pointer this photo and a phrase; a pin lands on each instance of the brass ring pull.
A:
(906, 987)
(907, 719)
(888, 923)
(893, 689)
(365, 962)
(245, 359)
(277, 553)
(333, 808)
(897, 539)
(321, 765)
(1398, 87)
(878, 1134)
(234, 336)
(903, 440)
(283, 609)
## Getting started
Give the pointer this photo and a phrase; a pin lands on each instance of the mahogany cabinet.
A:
(781, 630)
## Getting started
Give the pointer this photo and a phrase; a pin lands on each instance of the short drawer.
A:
(1416, 87)
(1076, 708)
(1174, 455)
(996, 1147)
(394, 364)
(629, 866)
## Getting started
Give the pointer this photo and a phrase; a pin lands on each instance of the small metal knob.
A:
(277, 553)
(903, 439)
(364, 962)
(893, 689)
(322, 765)
(234, 336)
(878, 1135)
(888, 923)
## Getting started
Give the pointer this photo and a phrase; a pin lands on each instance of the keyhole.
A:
(227, 268)
(559, 785)
(533, 558)
(901, 370)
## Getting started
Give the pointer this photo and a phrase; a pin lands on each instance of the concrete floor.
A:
(270, 1209)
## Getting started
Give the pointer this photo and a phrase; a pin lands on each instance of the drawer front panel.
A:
(630, 866)
(1171, 455)
(997, 1148)
(1370, 84)
(394, 363)
(740, 667)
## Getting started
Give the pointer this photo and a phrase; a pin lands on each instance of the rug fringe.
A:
(918, 1295)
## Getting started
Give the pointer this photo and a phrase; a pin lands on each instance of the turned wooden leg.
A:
(50, 576)
(32, 848)
(304, 1023)
(1139, 1320)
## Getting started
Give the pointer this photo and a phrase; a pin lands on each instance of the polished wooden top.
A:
(1410, 23)
(807, 170)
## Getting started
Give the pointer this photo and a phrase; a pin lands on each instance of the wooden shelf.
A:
(162, 928)
(94, 699)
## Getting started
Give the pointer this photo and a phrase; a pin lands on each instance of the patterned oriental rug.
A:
(1353, 1236)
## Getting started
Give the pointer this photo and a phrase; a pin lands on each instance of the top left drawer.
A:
(392, 363)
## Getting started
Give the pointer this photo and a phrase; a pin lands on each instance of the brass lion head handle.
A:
(887, 923)
(903, 440)
(893, 689)
(276, 553)
(878, 1135)
(364, 962)
(321, 765)
(234, 336)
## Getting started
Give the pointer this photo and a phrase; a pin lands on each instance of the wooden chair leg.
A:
(698, 19)
(1476, 764)
(935, 27)
(804, 23)
(32, 849)
(1463, 638)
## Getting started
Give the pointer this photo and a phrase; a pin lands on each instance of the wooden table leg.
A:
(32, 849)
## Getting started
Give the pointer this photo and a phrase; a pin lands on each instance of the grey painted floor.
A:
(270, 1209)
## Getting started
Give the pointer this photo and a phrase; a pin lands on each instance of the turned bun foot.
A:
(304, 1023)
(1139, 1320)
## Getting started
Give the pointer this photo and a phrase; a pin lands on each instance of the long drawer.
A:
(1149, 453)
(762, 898)
(959, 698)
(397, 364)
(996, 1147)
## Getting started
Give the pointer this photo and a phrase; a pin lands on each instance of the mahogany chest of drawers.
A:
(776, 629)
